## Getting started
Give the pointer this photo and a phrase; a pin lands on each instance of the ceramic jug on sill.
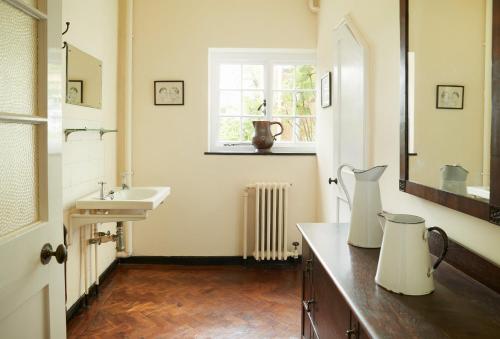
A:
(404, 264)
(263, 138)
(364, 228)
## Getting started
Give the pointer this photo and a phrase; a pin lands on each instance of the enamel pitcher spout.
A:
(364, 228)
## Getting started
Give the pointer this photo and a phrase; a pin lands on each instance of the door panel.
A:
(36, 309)
(31, 294)
(350, 107)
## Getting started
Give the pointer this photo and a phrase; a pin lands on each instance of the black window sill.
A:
(254, 153)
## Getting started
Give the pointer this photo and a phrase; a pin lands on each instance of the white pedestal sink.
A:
(132, 204)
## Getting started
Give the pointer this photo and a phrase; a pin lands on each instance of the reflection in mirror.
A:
(449, 95)
(83, 78)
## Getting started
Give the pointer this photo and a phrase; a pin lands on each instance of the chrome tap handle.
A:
(124, 180)
(101, 195)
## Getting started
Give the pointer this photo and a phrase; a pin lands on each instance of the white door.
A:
(350, 107)
(31, 293)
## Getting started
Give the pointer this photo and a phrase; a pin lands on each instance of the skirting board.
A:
(234, 260)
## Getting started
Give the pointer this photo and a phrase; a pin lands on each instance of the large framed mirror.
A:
(450, 104)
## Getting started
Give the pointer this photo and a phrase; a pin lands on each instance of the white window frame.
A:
(267, 57)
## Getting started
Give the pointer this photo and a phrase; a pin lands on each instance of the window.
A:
(262, 84)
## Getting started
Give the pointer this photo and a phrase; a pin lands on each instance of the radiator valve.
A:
(295, 250)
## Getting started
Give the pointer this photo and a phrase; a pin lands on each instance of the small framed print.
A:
(75, 92)
(326, 82)
(169, 92)
(450, 97)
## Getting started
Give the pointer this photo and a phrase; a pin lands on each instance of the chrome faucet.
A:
(101, 194)
(124, 181)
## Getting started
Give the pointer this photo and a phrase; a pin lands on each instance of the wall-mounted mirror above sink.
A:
(449, 117)
(83, 78)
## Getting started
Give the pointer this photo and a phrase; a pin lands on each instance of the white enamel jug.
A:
(364, 228)
(453, 179)
(404, 265)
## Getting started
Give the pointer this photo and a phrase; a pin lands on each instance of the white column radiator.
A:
(270, 221)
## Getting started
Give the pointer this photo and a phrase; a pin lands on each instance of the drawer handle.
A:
(309, 265)
(307, 304)
(313, 325)
(350, 332)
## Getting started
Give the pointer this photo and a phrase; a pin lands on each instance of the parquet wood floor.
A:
(160, 301)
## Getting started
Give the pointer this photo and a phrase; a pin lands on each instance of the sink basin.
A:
(479, 191)
(132, 204)
(135, 198)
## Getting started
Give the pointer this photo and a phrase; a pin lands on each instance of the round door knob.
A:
(330, 181)
(47, 253)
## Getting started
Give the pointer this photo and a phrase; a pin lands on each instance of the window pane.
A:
(283, 76)
(282, 103)
(251, 102)
(230, 102)
(305, 77)
(229, 129)
(287, 129)
(230, 76)
(306, 129)
(18, 61)
(253, 76)
(248, 130)
(305, 103)
(18, 176)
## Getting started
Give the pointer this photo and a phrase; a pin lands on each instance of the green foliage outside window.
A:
(293, 96)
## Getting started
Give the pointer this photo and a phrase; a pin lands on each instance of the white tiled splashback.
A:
(83, 161)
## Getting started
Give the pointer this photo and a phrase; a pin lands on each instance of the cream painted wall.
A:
(449, 51)
(86, 159)
(203, 215)
(378, 21)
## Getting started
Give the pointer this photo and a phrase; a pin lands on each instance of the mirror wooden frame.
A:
(480, 209)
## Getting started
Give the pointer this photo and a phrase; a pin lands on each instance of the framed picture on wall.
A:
(75, 91)
(169, 92)
(450, 97)
(326, 82)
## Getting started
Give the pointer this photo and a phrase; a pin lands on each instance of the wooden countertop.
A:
(460, 307)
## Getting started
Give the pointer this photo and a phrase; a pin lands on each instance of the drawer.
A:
(307, 291)
(330, 312)
(307, 268)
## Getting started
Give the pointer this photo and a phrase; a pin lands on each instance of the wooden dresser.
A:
(341, 299)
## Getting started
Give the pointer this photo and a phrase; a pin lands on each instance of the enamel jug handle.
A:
(342, 184)
(444, 236)
(281, 126)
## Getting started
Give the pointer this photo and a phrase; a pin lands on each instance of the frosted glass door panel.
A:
(18, 176)
(18, 61)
